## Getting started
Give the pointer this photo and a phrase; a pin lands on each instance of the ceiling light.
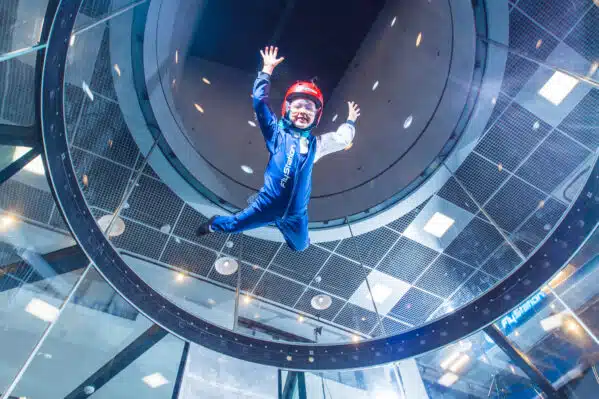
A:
(393, 21)
(380, 293)
(438, 224)
(289, 358)
(355, 338)
(558, 87)
(229, 244)
(206, 81)
(211, 302)
(513, 369)
(7, 221)
(375, 85)
(165, 229)
(335, 117)
(247, 169)
(72, 41)
(198, 106)
(536, 125)
(174, 82)
(593, 68)
(539, 43)
(226, 265)
(460, 363)
(516, 333)
(176, 56)
(252, 123)
(155, 380)
(117, 69)
(256, 316)
(448, 379)
(87, 91)
(321, 302)
(552, 322)
(500, 167)
(180, 277)
(85, 180)
(35, 166)
(419, 39)
(363, 318)
(42, 310)
(572, 326)
(247, 299)
(450, 359)
(408, 122)
(300, 319)
(494, 100)
(116, 229)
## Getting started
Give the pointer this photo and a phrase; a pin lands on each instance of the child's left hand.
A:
(354, 111)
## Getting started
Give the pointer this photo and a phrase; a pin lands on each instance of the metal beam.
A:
(19, 164)
(522, 362)
(24, 136)
(181, 372)
(120, 362)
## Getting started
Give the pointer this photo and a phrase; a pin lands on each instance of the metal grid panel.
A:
(581, 124)
(252, 250)
(104, 190)
(301, 266)
(501, 102)
(305, 305)
(541, 222)
(103, 131)
(27, 201)
(185, 255)
(474, 286)
(480, 177)
(148, 171)
(555, 159)
(57, 221)
(140, 239)
(502, 262)
(74, 98)
(521, 244)
(512, 138)
(407, 260)
(583, 37)
(518, 71)
(7, 254)
(403, 222)
(249, 277)
(279, 289)
(415, 306)
(330, 245)
(372, 246)
(556, 16)
(341, 277)
(475, 243)
(187, 225)
(356, 318)
(525, 36)
(444, 276)
(513, 203)
(453, 192)
(153, 203)
(19, 95)
(102, 78)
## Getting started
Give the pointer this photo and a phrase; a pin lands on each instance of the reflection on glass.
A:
(21, 25)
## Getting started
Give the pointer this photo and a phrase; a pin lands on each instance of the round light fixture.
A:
(408, 122)
(226, 265)
(247, 169)
(321, 302)
(117, 228)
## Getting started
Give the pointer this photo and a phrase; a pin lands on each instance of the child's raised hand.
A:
(269, 56)
(354, 111)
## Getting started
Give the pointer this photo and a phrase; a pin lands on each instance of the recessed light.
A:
(393, 21)
(438, 224)
(199, 108)
(593, 68)
(355, 338)
(539, 43)
(155, 380)
(408, 122)
(72, 41)
(87, 91)
(448, 379)
(116, 229)
(375, 85)
(419, 39)
(513, 369)
(247, 169)
(206, 81)
(558, 87)
(289, 358)
(176, 56)
(117, 69)
(380, 293)
(165, 229)
(335, 117)
(460, 363)
(35, 166)
(252, 123)
(180, 277)
(211, 302)
(321, 302)
(300, 319)
(536, 125)
(226, 265)
(247, 299)
(6, 221)
(494, 100)
(42, 310)
(256, 316)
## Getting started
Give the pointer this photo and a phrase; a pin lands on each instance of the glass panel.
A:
(21, 24)
(17, 90)
(93, 11)
(127, 356)
(39, 265)
(550, 336)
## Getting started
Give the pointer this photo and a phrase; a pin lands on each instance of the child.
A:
(293, 150)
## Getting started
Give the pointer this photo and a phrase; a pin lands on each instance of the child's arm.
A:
(329, 143)
(266, 117)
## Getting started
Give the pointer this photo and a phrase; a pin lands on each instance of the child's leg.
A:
(258, 214)
(295, 231)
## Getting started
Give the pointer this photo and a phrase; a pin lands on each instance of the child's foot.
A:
(206, 227)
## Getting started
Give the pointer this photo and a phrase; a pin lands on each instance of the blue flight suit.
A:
(288, 177)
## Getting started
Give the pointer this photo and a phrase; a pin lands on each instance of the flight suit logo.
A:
(287, 169)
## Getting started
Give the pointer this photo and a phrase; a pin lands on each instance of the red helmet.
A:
(305, 90)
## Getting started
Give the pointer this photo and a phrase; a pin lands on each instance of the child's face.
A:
(302, 113)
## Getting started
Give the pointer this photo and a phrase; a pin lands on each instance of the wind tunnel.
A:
(459, 197)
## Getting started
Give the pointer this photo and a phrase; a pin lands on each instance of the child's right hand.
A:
(269, 56)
